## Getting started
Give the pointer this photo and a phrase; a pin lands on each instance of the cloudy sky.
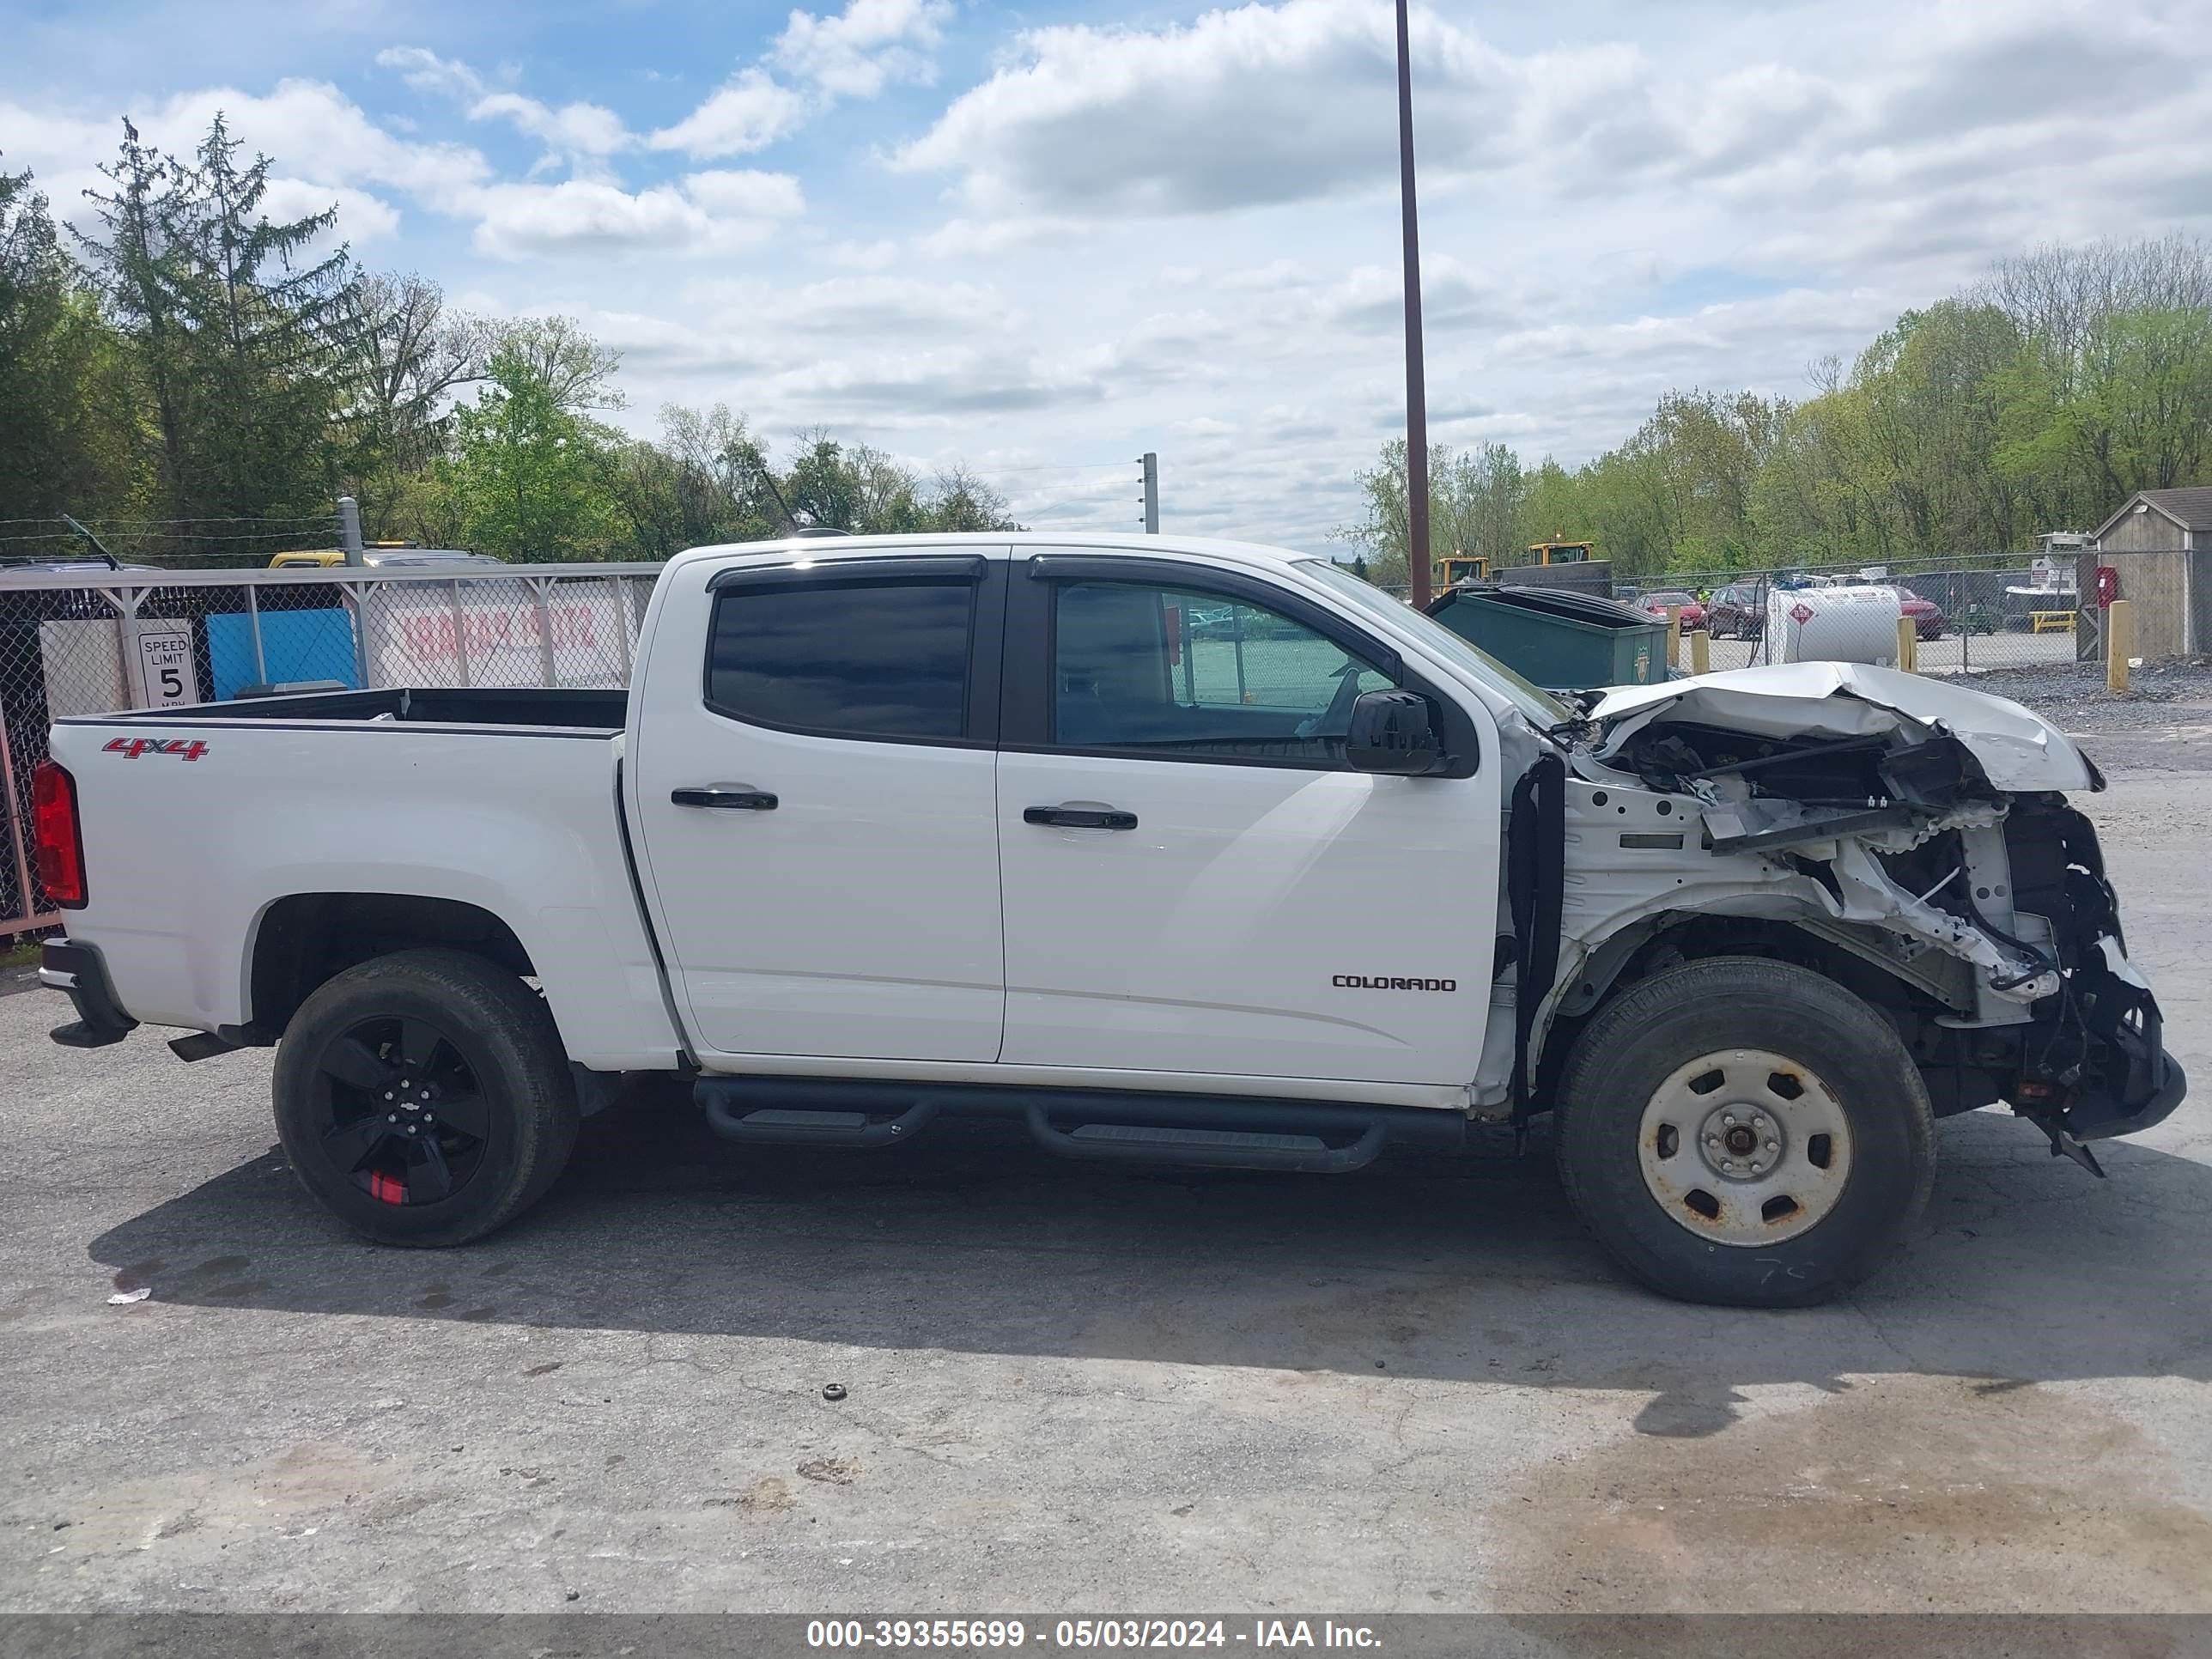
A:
(1042, 240)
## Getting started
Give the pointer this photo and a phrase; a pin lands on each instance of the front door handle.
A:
(1080, 817)
(733, 797)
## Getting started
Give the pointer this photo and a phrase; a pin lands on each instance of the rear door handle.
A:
(1080, 817)
(731, 798)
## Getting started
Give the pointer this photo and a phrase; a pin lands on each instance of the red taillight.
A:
(54, 828)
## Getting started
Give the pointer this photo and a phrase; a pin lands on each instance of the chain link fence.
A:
(1970, 613)
(91, 643)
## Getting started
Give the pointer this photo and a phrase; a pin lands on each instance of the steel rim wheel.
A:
(400, 1111)
(1744, 1147)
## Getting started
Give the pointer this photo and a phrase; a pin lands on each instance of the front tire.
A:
(424, 1097)
(1744, 1132)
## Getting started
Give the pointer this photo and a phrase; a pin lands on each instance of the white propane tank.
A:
(1834, 624)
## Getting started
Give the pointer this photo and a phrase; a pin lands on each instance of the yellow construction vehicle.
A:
(1456, 570)
(327, 556)
(1559, 552)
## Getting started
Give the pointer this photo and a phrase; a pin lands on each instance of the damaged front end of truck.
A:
(1914, 837)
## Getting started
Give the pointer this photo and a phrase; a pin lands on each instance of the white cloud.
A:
(314, 129)
(587, 217)
(856, 52)
(363, 219)
(878, 255)
(745, 193)
(579, 129)
(582, 135)
(583, 216)
(425, 71)
(1256, 104)
(1264, 104)
(749, 112)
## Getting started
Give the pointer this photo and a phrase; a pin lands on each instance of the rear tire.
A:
(1744, 1132)
(483, 1123)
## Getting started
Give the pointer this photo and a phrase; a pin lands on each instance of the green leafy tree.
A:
(529, 478)
(577, 372)
(406, 355)
(958, 500)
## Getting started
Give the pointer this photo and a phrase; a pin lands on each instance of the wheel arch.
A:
(302, 940)
(1651, 944)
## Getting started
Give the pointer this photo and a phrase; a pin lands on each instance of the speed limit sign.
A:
(166, 679)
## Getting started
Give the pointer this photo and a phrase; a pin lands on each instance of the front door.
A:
(1195, 881)
(813, 783)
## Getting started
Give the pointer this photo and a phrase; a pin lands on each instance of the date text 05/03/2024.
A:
(979, 1634)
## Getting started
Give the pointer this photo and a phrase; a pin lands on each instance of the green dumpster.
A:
(1562, 641)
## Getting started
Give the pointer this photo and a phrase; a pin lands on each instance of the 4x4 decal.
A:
(189, 749)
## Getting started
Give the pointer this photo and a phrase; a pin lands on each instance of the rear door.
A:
(812, 781)
(1195, 880)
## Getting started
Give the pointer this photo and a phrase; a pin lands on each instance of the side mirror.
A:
(1394, 732)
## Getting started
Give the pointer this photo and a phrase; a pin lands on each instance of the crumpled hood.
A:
(2017, 749)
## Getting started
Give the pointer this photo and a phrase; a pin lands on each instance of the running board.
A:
(788, 1127)
(1213, 1148)
(1207, 1130)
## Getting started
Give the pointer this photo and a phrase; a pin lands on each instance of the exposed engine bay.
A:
(1915, 834)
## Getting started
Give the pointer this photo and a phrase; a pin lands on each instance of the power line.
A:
(211, 535)
(235, 518)
(167, 535)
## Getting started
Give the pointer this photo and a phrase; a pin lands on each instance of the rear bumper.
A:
(77, 971)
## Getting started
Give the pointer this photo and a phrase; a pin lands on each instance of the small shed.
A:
(2160, 542)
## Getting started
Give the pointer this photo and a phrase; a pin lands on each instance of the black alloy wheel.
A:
(400, 1111)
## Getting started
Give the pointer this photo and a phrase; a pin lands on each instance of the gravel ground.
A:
(2075, 693)
(2159, 725)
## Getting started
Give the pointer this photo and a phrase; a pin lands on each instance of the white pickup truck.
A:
(1164, 849)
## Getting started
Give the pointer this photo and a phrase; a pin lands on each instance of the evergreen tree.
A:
(237, 327)
(139, 271)
(57, 454)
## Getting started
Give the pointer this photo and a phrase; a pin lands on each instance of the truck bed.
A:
(451, 706)
(501, 801)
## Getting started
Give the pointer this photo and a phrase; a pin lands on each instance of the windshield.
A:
(1532, 699)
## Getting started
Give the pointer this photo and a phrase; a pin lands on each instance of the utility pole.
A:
(349, 528)
(1416, 400)
(1151, 462)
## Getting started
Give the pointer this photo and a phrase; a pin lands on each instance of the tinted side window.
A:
(1159, 670)
(886, 660)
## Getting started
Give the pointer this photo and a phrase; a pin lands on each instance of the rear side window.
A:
(880, 659)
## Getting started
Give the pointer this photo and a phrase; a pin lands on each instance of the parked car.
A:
(906, 828)
(1929, 621)
(1658, 603)
(1737, 611)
